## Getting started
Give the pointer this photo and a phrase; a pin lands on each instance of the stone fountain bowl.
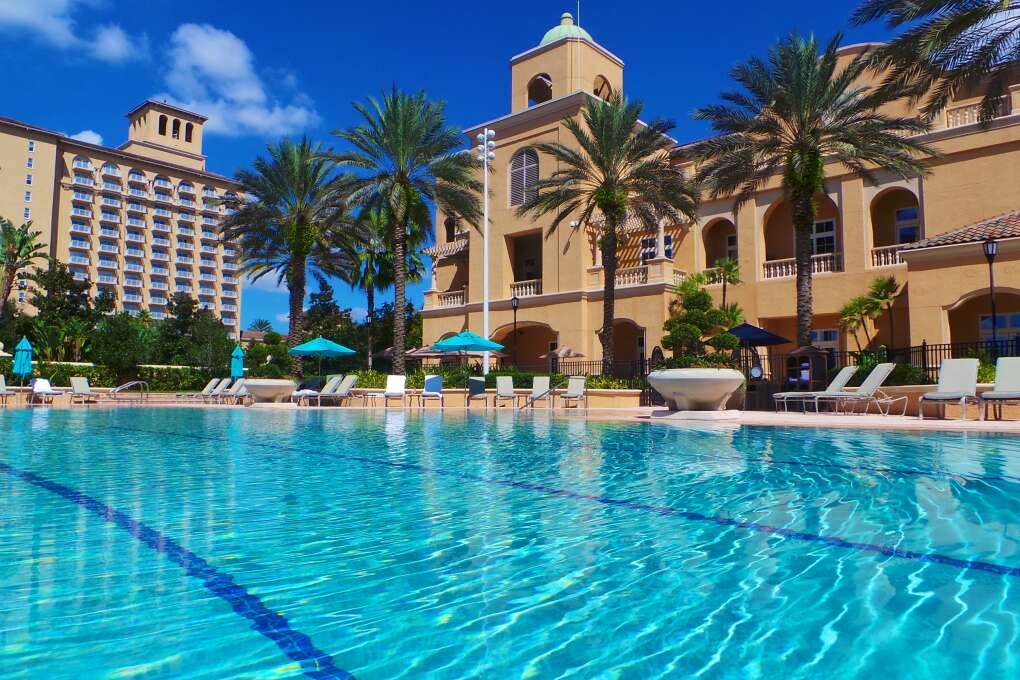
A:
(270, 391)
(696, 389)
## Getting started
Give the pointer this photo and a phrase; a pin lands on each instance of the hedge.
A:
(160, 379)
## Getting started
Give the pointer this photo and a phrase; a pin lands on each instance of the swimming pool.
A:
(261, 543)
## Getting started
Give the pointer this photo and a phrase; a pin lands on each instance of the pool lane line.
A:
(297, 646)
(664, 510)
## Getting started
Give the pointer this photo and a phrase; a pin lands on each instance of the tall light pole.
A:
(515, 302)
(991, 248)
(485, 155)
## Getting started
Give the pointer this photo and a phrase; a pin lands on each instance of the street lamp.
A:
(515, 302)
(991, 248)
(485, 156)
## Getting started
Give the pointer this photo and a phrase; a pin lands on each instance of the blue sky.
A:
(261, 70)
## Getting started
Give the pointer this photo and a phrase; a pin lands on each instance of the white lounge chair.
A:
(1006, 389)
(235, 394)
(396, 388)
(218, 391)
(838, 384)
(4, 392)
(576, 392)
(957, 384)
(505, 390)
(306, 395)
(540, 391)
(868, 394)
(431, 389)
(343, 391)
(43, 391)
(476, 391)
(205, 391)
(81, 391)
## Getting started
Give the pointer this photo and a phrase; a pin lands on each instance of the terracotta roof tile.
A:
(1001, 226)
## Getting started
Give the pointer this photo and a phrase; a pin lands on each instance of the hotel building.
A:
(140, 221)
(927, 232)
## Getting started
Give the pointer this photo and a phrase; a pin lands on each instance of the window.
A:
(648, 247)
(908, 226)
(31, 146)
(823, 237)
(28, 179)
(1007, 326)
(523, 175)
(188, 129)
(28, 213)
(30, 162)
(731, 246)
(162, 125)
(825, 338)
(28, 197)
(177, 129)
(539, 89)
(601, 88)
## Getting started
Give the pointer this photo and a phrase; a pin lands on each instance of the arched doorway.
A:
(970, 318)
(628, 341)
(532, 340)
(826, 239)
(720, 240)
(895, 221)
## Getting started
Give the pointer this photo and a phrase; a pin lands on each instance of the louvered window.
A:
(523, 176)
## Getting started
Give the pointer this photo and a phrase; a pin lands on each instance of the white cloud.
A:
(213, 71)
(53, 22)
(88, 136)
(358, 314)
(283, 318)
(267, 283)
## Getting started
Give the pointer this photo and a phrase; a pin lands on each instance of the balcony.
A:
(135, 252)
(184, 259)
(159, 271)
(186, 188)
(83, 181)
(227, 293)
(229, 321)
(111, 171)
(209, 193)
(181, 288)
(452, 298)
(186, 202)
(136, 177)
(80, 228)
(207, 277)
(107, 264)
(109, 233)
(81, 212)
(132, 297)
(159, 285)
(160, 241)
(230, 279)
(886, 256)
(106, 278)
(108, 248)
(112, 218)
(184, 245)
(159, 316)
(79, 259)
(161, 301)
(159, 256)
(135, 237)
(160, 226)
(82, 197)
(186, 217)
(211, 208)
(163, 198)
(111, 202)
(132, 283)
(209, 249)
(137, 208)
(112, 187)
(136, 222)
(970, 114)
(210, 221)
(138, 193)
(81, 245)
(162, 183)
(229, 252)
(206, 262)
(820, 264)
(162, 212)
(207, 306)
(209, 235)
(184, 273)
(229, 266)
(82, 164)
(631, 276)
(208, 292)
(185, 231)
(80, 275)
(228, 307)
(134, 267)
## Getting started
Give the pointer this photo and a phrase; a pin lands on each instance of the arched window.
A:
(188, 129)
(177, 129)
(602, 88)
(162, 125)
(523, 175)
(539, 89)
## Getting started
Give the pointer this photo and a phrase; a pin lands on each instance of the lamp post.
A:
(991, 248)
(485, 155)
(515, 302)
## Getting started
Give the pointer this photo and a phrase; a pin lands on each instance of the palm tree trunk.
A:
(892, 327)
(8, 285)
(803, 221)
(608, 244)
(724, 291)
(399, 294)
(296, 289)
(370, 296)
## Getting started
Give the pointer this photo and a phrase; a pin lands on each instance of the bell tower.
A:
(567, 60)
(167, 132)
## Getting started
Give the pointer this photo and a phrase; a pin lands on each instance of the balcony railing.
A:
(131, 297)
(109, 233)
(79, 228)
(160, 226)
(820, 264)
(207, 291)
(108, 248)
(81, 245)
(107, 264)
(136, 177)
(165, 183)
(136, 222)
(132, 283)
(158, 285)
(81, 212)
(139, 193)
(136, 207)
(971, 113)
(229, 279)
(159, 271)
(631, 276)
(526, 288)
(158, 315)
(157, 301)
(886, 256)
(111, 170)
(83, 197)
(133, 267)
(78, 259)
(452, 298)
(186, 217)
(163, 198)
(229, 266)
(206, 262)
(135, 252)
(112, 186)
(112, 218)
(82, 165)
(162, 212)
(160, 257)
(185, 188)
(227, 293)
(228, 307)
(207, 277)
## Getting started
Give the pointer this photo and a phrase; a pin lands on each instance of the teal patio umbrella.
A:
(466, 341)
(23, 359)
(237, 363)
(321, 347)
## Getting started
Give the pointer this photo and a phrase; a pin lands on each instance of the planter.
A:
(696, 389)
(265, 390)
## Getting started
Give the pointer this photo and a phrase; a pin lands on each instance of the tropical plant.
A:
(800, 110)
(119, 344)
(76, 333)
(854, 316)
(260, 326)
(730, 315)
(19, 248)
(697, 326)
(726, 270)
(948, 46)
(288, 220)
(405, 157)
(617, 170)
(883, 292)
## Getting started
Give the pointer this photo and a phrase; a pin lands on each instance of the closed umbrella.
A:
(237, 363)
(321, 347)
(466, 341)
(23, 359)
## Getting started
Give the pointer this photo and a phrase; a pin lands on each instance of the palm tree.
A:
(883, 292)
(260, 326)
(948, 46)
(19, 247)
(289, 220)
(852, 318)
(374, 266)
(617, 170)
(406, 157)
(726, 270)
(799, 112)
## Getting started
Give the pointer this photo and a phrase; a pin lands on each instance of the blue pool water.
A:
(144, 543)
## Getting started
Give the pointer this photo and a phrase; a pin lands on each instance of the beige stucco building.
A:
(140, 221)
(863, 231)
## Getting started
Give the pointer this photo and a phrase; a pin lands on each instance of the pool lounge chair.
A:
(396, 388)
(42, 392)
(957, 384)
(4, 392)
(838, 384)
(205, 392)
(432, 389)
(576, 392)
(81, 391)
(235, 394)
(476, 391)
(306, 395)
(343, 391)
(1006, 389)
(540, 391)
(505, 391)
(868, 394)
(218, 391)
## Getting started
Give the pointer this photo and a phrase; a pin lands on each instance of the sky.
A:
(264, 70)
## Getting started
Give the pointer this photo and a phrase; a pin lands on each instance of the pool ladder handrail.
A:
(143, 389)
